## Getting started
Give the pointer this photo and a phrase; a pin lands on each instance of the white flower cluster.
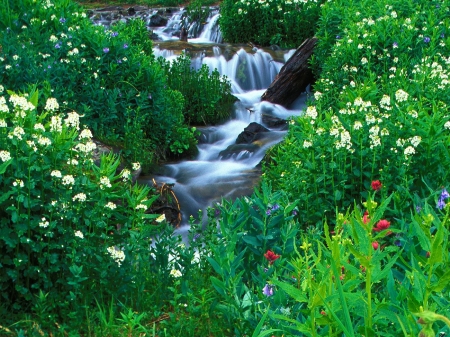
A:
(21, 105)
(117, 255)
(375, 139)
(68, 180)
(125, 174)
(56, 124)
(5, 155)
(51, 104)
(104, 182)
(176, 273)
(111, 205)
(79, 234)
(80, 196)
(311, 112)
(86, 148)
(401, 95)
(86, 133)
(17, 132)
(56, 173)
(73, 120)
(44, 223)
(136, 166)
(307, 144)
(337, 130)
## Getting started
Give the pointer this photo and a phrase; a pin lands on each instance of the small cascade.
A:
(172, 29)
(210, 32)
(247, 71)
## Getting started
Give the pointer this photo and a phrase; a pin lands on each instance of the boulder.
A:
(157, 20)
(248, 135)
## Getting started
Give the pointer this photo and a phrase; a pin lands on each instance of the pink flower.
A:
(365, 218)
(381, 225)
(375, 245)
(376, 185)
(271, 256)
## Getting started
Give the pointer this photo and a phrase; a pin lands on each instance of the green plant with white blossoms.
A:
(68, 224)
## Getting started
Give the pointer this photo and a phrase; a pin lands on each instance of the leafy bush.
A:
(208, 98)
(285, 23)
(109, 76)
(68, 225)
(380, 110)
(368, 275)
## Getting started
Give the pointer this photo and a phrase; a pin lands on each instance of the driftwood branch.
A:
(293, 77)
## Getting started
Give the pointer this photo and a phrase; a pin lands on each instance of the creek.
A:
(221, 169)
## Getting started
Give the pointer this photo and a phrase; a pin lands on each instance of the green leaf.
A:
(436, 249)
(215, 265)
(218, 285)
(251, 240)
(295, 293)
(5, 165)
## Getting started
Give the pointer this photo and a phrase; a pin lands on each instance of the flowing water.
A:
(223, 169)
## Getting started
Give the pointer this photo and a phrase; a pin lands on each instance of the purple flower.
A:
(267, 290)
(426, 39)
(395, 45)
(106, 50)
(62, 20)
(217, 211)
(440, 203)
(398, 243)
(119, 61)
(444, 194)
(418, 209)
(125, 46)
(114, 34)
(58, 45)
(442, 35)
(338, 37)
(294, 212)
(275, 207)
(268, 212)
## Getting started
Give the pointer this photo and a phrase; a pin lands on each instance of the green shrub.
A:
(108, 75)
(207, 95)
(380, 110)
(68, 225)
(285, 23)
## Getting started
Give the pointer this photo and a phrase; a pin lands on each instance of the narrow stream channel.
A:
(223, 169)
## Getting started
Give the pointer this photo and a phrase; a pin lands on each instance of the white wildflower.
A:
(44, 223)
(5, 155)
(104, 182)
(79, 234)
(117, 255)
(111, 205)
(80, 196)
(68, 180)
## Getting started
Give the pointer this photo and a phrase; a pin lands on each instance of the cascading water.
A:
(223, 169)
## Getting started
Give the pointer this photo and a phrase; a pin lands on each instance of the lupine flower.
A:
(381, 225)
(106, 50)
(441, 202)
(426, 39)
(271, 256)
(62, 20)
(267, 290)
(395, 45)
(125, 46)
(114, 34)
(376, 185)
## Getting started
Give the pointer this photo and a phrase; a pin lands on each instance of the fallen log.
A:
(293, 77)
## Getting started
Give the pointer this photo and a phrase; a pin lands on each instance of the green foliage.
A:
(207, 95)
(380, 110)
(68, 225)
(285, 23)
(108, 75)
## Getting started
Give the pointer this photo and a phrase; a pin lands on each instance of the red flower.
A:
(381, 225)
(366, 218)
(375, 245)
(271, 256)
(376, 185)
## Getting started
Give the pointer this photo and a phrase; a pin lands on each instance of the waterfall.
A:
(222, 169)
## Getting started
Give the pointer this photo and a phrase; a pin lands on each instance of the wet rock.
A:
(131, 11)
(274, 122)
(157, 20)
(248, 135)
